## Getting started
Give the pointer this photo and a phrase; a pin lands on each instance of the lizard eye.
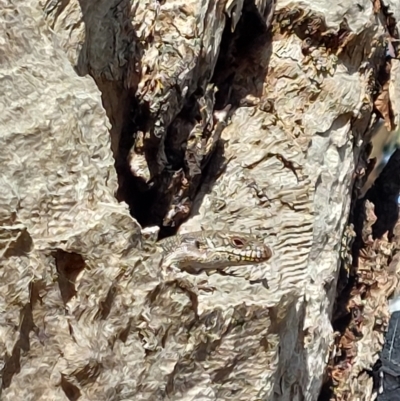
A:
(238, 242)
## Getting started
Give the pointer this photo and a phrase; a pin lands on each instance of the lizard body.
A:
(211, 249)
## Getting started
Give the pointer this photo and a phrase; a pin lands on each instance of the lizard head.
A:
(212, 249)
(240, 248)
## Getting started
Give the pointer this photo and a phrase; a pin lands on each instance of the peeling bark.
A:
(251, 115)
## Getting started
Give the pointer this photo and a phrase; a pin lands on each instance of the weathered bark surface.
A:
(85, 310)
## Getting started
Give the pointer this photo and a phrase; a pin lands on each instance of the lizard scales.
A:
(211, 249)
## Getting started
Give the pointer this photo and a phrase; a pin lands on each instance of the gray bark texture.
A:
(248, 115)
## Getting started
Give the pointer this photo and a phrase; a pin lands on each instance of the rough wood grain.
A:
(85, 311)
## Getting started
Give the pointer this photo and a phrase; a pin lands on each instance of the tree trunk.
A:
(242, 115)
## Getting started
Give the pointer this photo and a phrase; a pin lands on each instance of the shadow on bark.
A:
(354, 283)
(174, 186)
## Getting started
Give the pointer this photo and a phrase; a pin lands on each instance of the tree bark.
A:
(247, 115)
